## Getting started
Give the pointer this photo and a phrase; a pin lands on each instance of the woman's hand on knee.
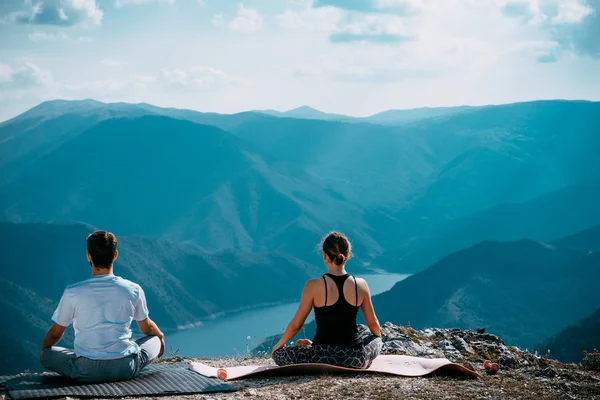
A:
(277, 347)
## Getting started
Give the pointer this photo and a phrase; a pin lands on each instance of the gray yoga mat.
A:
(154, 380)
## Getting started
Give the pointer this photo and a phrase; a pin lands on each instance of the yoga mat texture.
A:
(154, 380)
(387, 364)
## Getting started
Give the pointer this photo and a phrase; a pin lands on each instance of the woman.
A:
(336, 297)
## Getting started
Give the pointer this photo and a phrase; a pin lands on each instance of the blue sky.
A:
(354, 57)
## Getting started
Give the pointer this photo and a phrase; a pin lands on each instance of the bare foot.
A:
(221, 374)
(303, 343)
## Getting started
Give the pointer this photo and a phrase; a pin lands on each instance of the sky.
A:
(355, 57)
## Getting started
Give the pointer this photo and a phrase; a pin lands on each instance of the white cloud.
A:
(27, 76)
(59, 12)
(405, 7)
(348, 25)
(99, 87)
(179, 80)
(43, 36)
(544, 51)
(339, 69)
(247, 20)
(198, 78)
(110, 62)
(374, 24)
(58, 36)
(123, 3)
(440, 40)
(109, 89)
(571, 12)
(28, 82)
(530, 9)
(311, 19)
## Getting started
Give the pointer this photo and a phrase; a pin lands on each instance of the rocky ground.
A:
(523, 375)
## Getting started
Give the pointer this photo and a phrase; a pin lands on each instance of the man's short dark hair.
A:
(102, 246)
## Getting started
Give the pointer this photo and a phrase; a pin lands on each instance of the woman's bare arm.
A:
(368, 310)
(306, 304)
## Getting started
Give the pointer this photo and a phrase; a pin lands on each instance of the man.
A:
(101, 310)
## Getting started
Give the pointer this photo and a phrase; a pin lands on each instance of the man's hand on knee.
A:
(162, 346)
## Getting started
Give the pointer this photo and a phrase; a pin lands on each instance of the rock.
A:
(488, 337)
(446, 345)
(549, 372)
(428, 332)
(528, 374)
(390, 332)
(408, 347)
(449, 350)
(461, 345)
(507, 360)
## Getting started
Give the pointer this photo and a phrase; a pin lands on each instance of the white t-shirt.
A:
(101, 310)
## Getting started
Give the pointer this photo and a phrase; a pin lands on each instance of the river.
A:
(235, 334)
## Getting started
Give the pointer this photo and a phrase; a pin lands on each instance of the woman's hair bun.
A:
(337, 248)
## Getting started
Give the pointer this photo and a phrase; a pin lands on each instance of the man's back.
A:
(101, 310)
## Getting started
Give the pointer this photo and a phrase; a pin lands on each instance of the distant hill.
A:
(556, 214)
(568, 345)
(174, 179)
(183, 284)
(440, 169)
(522, 290)
(423, 177)
(389, 117)
(397, 117)
(307, 112)
(263, 183)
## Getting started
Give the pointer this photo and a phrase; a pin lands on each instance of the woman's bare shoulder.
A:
(314, 282)
(362, 284)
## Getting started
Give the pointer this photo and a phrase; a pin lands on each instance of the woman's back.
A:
(336, 308)
(336, 298)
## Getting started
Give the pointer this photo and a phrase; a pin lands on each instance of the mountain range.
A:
(523, 290)
(394, 189)
(389, 117)
(472, 196)
(570, 343)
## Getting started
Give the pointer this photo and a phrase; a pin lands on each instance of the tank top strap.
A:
(325, 282)
(355, 289)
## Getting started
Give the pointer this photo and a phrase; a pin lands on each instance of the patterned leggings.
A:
(360, 358)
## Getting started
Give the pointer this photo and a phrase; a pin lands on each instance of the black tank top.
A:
(336, 324)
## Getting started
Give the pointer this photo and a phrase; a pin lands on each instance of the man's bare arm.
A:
(149, 328)
(53, 336)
